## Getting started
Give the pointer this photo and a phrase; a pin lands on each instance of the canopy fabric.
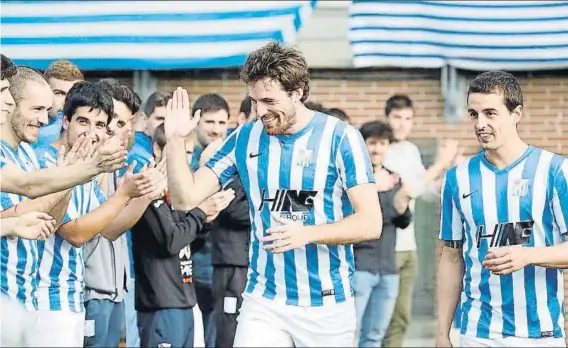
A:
(471, 35)
(146, 35)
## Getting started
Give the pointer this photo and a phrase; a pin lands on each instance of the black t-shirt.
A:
(379, 256)
(163, 241)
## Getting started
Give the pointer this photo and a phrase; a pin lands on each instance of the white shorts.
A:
(264, 323)
(467, 341)
(59, 329)
(17, 324)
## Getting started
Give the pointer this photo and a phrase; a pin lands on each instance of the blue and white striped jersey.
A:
(303, 177)
(19, 256)
(61, 272)
(524, 204)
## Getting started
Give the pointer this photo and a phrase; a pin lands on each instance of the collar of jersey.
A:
(510, 166)
(315, 121)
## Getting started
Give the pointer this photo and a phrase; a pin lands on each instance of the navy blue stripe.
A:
(479, 59)
(463, 19)
(478, 212)
(512, 6)
(458, 45)
(154, 17)
(526, 214)
(507, 291)
(5, 257)
(21, 277)
(141, 63)
(263, 162)
(463, 31)
(290, 277)
(169, 39)
(308, 177)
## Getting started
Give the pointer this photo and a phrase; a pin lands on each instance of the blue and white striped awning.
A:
(140, 35)
(472, 35)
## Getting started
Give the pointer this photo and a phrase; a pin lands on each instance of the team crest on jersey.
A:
(304, 157)
(520, 188)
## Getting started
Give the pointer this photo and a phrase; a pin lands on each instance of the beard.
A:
(19, 128)
(275, 124)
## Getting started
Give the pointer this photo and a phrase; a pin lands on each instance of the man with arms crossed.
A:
(504, 226)
(296, 165)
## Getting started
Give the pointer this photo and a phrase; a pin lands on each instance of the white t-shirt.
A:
(403, 158)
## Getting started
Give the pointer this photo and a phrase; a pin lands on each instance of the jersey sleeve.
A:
(223, 163)
(560, 198)
(141, 161)
(353, 160)
(451, 224)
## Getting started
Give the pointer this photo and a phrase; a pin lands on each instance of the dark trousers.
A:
(166, 328)
(228, 285)
(103, 323)
(204, 293)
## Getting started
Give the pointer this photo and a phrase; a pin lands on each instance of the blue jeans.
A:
(132, 338)
(375, 298)
(106, 317)
(166, 328)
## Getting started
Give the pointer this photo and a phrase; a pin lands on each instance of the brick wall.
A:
(362, 94)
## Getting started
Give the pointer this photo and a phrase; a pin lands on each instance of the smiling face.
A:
(273, 105)
(121, 124)
(212, 126)
(85, 121)
(493, 123)
(31, 111)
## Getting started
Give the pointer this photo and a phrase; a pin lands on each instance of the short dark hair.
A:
(210, 103)
(338, 113)
(396, 102)
(121, 92)
(8, 68)
(497, 82)
(377, 129)
(156, 100)
(160, 136)
(246, 105)
(285, 65)
(90, 95)
(315, 106)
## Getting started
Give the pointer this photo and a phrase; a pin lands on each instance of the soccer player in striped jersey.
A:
(309, 181)
(503, 226)
(88, 110)
(43, 182)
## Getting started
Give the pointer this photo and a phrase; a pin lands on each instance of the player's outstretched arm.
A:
(85, 227)
(74, 172)
(186, 189)
(448, 288)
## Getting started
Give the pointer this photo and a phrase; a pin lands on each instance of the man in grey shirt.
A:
(403, 158)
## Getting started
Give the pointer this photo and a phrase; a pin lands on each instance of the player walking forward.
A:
(295, 165)
(504, 226)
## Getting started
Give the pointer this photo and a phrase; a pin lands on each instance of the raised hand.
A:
(130, 183)
(80, 149)
(179, 122)
(213, 205)
(34, 225)
(110, 156)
